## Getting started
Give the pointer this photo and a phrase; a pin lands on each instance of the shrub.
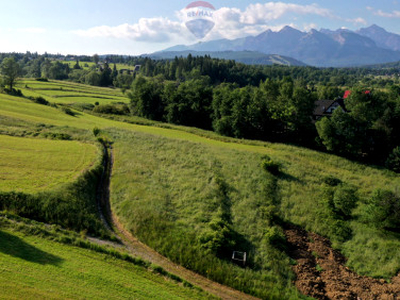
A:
(393, 161)
(383, 210)
(271, 166)
(40, 100)
(43, 79)
(340, 231)
(331, 181)
(274, 236)
(67, 110)
(344, 201)
(115, 109)
(57, 136)
(96, 131)
(219, 239)
(14, 92)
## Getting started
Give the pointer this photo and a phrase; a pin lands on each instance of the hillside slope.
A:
(35, 267)
(196, 197)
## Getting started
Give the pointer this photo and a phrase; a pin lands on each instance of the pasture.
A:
(32, 165)
(32, 267)
(68, 92)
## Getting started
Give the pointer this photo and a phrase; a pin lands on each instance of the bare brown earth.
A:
(322, 274)
(136, 248)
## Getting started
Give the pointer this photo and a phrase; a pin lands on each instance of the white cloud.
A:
(357, 21)
(379, 12)
(229, 23)
(157, 30)
(393, 14)
(262, 13)
(308, 27)
(233, 23)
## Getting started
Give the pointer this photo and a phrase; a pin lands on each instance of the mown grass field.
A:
(35, 268)
(68, 92)
(164, 189)
(32, 165)
(91, 64)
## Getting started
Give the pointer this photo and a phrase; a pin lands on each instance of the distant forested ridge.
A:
(80, 68)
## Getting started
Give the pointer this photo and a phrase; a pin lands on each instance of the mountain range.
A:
(323, 48)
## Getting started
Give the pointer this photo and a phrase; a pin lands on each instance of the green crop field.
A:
(32, 165)
(35, 268)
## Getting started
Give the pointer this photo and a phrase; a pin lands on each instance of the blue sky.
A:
(136, 27)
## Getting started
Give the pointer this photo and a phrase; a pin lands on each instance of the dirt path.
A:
(136, 248)
(322, 274)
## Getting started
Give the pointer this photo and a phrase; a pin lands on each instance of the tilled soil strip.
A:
(322, 274)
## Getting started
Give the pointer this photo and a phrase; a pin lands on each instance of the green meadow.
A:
(31, 165)
(68, 92)
(32, 267)
(195, 196)
(87, 65)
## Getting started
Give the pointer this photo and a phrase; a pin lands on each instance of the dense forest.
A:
(273, 103)
(57, 67)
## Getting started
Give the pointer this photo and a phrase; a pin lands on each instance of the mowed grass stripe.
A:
(59, 85)
(35, 268)
(32, 165)
(55, 91)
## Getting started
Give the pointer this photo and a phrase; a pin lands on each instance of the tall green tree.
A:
(77, 66)
(190, 103)
(96, 59)
(105, 76)
(10, 70)
(146, 98)
(344, 134)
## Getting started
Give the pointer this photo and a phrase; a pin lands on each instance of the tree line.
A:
(34, 65)
(278, 110)
(273, 103)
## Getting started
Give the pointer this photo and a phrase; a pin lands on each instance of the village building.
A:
(325, 108)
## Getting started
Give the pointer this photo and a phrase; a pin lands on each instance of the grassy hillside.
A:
(196, 197)
(33, 267)
(196, 204)
(88, 65)
(32, 165)
(165, 192)
(68, 92)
